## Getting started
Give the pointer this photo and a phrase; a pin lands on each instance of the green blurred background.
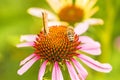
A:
(15, 21)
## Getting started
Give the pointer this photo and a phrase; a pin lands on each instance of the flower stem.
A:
(106, 37)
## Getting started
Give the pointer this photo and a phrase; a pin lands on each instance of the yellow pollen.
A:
(55, 46)
(71, 14)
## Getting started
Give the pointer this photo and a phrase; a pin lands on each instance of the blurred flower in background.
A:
(117, 43)
(78, 12)
(62, 46)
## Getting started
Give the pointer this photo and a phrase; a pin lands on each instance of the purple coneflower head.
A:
(56, 48)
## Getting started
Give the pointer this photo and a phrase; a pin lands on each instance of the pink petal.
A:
(89, 46)
(42, 70)
(25, 67)
(28, 38)
(81, 28)
(27, 59)
(72, 71)
(26, 44)
(95, 64)
(38, 13)
(80, 69)
(95, 21)
(56, 73)
(85, 39)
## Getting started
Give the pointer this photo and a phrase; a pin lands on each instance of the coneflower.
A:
(74, 12)
(60, 45)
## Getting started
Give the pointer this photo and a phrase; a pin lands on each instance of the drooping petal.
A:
(27, 59)
(25, 67)
(86, 39)
(42, 70)
(81, 28)
(72, 71)
(26, 44)
(89, 46)
(38, 13)
(80, 69)
(95, 64)
(28, 38)
(56, 73)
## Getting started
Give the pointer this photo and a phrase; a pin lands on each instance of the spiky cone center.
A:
(55, 46)
(71, 14)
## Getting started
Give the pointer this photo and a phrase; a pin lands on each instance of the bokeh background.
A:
(15, 21)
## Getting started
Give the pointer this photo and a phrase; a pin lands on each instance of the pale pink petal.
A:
(42, 70)
(25, 67)
(86, 39)
(56, 73)
(38, 13)
(28, 38)
(95, 21)
(95, 64)
(80, 69)
(89, 46)
(27, 59)
(26, 44)
(81, 28)
(72, 71)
